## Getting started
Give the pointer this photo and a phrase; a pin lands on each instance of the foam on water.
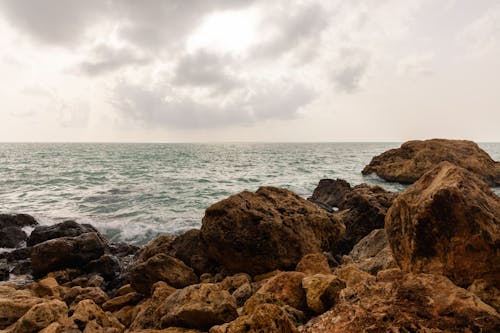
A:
(133, 192)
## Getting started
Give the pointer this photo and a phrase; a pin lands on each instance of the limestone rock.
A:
(144, 318)
(330, 193)
(40, 316)
(270, 229)
(448, 222)
(313, 263)
(161, 267)
(160, 245)
(14, 304)
(352, 275)
(322, 291)
(121, 301)
(89, 317)
(373, 253)
(414, 158)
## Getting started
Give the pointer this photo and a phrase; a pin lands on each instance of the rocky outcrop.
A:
(330, 193)
(414, 158)
(266, 230)
(373, 253)
(362, 211)
(11, 233)
(447, 223)
(407, 303)
(66, 252)
(64, 229)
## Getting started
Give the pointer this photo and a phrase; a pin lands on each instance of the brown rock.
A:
(76, 294)
(322, 291)
(330, 193)
(373, 253)
(413, 303)
(198, 306)
(89, 317)
(287, 287)
(119, 302)
(190, 248)
(265, 318)
(125, 289)
(66, 252)
(313, 263)
(352, 275)
(231, 283)
(144, 317)
(169, 330)
(47, 287)
(159, 245)
(488, 293)
(270, 229)
(447, 223)
(161, 267)
(14, 304)
(44, 233)
(414, 158)
(40, 316)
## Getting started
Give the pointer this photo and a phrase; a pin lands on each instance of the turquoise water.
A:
(132, 192)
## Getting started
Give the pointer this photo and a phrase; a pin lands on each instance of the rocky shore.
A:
(348, 259)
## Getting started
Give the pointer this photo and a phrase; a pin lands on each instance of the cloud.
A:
(483, 34)
(350, 68)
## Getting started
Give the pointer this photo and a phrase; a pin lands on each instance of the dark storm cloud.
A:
(161, 107)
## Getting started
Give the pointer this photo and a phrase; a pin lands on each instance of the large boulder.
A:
(190, 248)
(447, 223)
(161, 267)
(11, 232)
(266, 230)
(363, 210)
(199, 306)
(414, 158)
(407, 303)
(66, 252)
(64, 229)
(330, 193)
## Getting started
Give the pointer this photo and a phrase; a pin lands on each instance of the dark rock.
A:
(11, 237)
(4, 270)
(190, 248)
(414, 158)
(160, 245)
(363, 210)
(17, 220)
(122, 249)
(63, 229)
(21, 267)
(373, 253)
(330, 193)
(17, 254)
(108, 266)
(270, 229)
(447, 223)
(66, 252)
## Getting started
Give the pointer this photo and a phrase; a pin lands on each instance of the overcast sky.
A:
(242, 70)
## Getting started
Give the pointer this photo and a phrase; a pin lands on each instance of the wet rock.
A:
(313, 263)
(322, 291)
(4, 270)
(330, 193)
(414, 158)
(362, 211)
(161, 267)
(373, 253)
(198, 306)
(14, 304)
(17, 220)
(265, 318)
(411, 303)
(447, 223)
(66, 252)
(17, 254)
(11, 237)
(270, 229)
(108, 266)
(64, 229)
(40, 316)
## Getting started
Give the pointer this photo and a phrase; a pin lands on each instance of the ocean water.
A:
(132, 192)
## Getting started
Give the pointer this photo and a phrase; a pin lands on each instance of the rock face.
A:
(269, 229)
(66, 252)
(362, 211)
(64, 229)
(408, 303)
(414, 158)
(447, 223)
(373, 253)
(199, 306)
(330, 193)
(11, 233)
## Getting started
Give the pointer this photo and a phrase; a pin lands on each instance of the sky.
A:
(243, 70)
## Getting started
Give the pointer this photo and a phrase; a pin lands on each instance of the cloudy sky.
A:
(242, 70)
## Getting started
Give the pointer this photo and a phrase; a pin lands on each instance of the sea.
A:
(133, 191)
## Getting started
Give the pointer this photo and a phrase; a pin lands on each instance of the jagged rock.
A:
(322, 291)
(330, 193)
(265, 318)
(352, 275)
(89, 317)
(487, 292)
(144, 318)
(190, 248)
(447, 223)
(4, 270)
(47, 287)
(313, 263)
(362, 210)
(14, 304)
(119, 302)
(161, 267)
(66, 252)
(160, 245)
(17, 220)
(373, 253)
(108, 266)
(270, 229)
(199, 306)
(414, 158)
(169, 330)
(77, 294)
(40, 316)
(64, 229)
(409, 303)
(11, 237)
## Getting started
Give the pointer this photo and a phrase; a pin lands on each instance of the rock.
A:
(119, 302)
(414, 158)
(313, 263)
(322, 291)
(352, 275)
(189, 248)
(362, 210)
(240, 286)
(108, 266)
(159, 245)
(161, 267)
(330, 193)
(144, 318)
(169, 330)
(265, 318)
(14, 304)
(4, 270)
(47, 287)
(270, 229)
(125, 289)
(488, 293)
(89, 317)
(448, 222)
(412, 303)
(66, 252)
(64, 229)
(17, 220)
(243, 293)
(40, 316)
(11, 237)
(373, 253)
(198, 306)
(77, 294)
(16, 254)
(287, 287)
